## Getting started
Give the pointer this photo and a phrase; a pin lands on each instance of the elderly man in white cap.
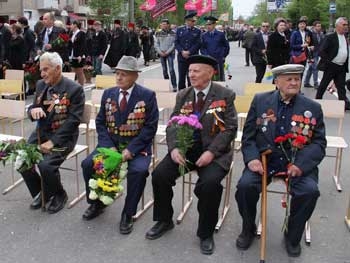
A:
(127, 122)
(283, 113)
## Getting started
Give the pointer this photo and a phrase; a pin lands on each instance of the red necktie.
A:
(123, 102)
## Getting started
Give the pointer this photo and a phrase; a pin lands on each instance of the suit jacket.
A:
(257, 46)
(188, 39)
(218, 143)
(329, 50)
(296, 41)
(62, 122)
(277, 51)
(135, 128)
(78, 46)
(259, 135)
(98, 43)
(63, 50)
(215, 45)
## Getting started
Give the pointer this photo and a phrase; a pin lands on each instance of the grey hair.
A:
(53, 58)
(339, 19)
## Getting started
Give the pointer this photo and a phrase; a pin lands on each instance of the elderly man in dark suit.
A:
(259, 46)
(211, 154)
(274, 114)
(334, 63)
(58, 108)
(127, 122)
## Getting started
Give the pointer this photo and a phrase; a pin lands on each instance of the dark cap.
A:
(117, 21)
(200, 59)
(12, 21)
(191, 16)
(90, 22)
(144, 27)
(209, 20)
(165, 20)
(303, 19)
(23, 21)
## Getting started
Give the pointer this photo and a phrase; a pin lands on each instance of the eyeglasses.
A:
(265, 26)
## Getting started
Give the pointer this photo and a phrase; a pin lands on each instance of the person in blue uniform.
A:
(272, 114)
(215, 44)
(127, 122)
(187, 43)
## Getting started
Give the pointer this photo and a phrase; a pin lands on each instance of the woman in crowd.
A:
(16, 48)
(77, 51)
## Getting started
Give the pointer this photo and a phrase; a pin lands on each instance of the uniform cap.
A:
(191, 16)
(209, 20)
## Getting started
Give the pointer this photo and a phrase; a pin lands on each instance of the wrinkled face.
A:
(288, 85)
(47, 20)
(200, 75)
(342, 26)
(50, 73)
(125, 79)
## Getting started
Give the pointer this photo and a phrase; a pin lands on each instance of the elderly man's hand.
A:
(206, 158)
(256, 166)
(127, 155)
(294, 171)
(46, 147)
(37, 113)
(177, 157)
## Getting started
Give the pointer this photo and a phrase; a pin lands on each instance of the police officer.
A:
(187, 43)
(215, 44)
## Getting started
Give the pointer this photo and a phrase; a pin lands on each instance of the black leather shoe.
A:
(307, 86)
(159, 229)
(245, 239)
(126, 224)
(292, 250)
(207, 245)
(36, 204)
(58, 202)
(94, 210)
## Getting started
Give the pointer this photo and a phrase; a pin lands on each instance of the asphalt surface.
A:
(34, 236)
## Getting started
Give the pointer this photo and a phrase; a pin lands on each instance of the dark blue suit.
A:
(188, 39)
(216, 45)
(259, 136)
(134, 128)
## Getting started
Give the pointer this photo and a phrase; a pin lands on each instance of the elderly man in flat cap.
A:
(127, 122)
(211, 154)
(277, 114)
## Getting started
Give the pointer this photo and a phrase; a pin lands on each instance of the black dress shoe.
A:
(207, 245)
(159, 229)
(126, 224)
(94, 210)
(307, 86)
(245, 239)
(36, 204)
(292, 250)
(58, 202)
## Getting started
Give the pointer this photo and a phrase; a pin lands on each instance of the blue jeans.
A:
(170, 60)
(97, 64)
(312, 70)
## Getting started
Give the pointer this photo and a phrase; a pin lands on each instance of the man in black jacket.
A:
(99, 47)
(334, 52)
(29, 38)
(5, 37)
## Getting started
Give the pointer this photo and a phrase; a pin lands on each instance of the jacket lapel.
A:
(272, 104)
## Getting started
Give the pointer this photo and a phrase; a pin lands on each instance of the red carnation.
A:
(280, 139)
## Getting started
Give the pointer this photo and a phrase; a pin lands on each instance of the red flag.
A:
(172, 9)
(205, 8)
(148, 5)
(193, 5)
(162, 6)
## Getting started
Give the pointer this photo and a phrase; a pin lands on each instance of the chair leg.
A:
(308, 233)
(14, 183)
(336, 176)
(185, 204)
(347, 217)
(144, 207)
(79, 196)
(226, 205)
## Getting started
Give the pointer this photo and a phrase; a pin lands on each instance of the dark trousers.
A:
(260, 69)
(49, 171)
(248, 55)
(208, 189)
(304, 192)
(221, 71)
(183, 74)
(136, 180)
(337, 74)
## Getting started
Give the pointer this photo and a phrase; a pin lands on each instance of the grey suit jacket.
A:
(258, 137)
(218, 142)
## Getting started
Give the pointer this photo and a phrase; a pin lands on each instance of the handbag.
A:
(300, 58)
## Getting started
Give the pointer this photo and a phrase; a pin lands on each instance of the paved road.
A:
(32, 236)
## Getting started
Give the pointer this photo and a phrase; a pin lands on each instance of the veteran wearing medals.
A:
(127, 122)
(211, 154)
(276, 114)
(57, 108)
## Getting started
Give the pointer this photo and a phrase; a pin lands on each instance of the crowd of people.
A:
(128, 117)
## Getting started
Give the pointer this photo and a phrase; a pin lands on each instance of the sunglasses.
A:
(265, 26)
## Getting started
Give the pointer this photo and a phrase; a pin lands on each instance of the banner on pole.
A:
(161, 7)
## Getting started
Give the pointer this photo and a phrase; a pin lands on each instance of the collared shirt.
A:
(205, 91)
(342, 55)
(265, 38)
(127, 96)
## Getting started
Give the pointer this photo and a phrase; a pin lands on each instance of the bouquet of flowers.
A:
(60, 41)
(290, 144)
(109, 172)
(185, 127)
(6, 147)
(32, 74)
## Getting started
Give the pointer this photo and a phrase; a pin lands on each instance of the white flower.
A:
(93, 184)
(20, 158)
(124, 166)
(106, 200)
(123, 173)
(120, 188)
(93, 195)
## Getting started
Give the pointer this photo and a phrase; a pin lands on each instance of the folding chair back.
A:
(16, 74)
(157, 85)
(253, 88)
(12, 87)
(242, 105)
(12, 110)
(105, 82)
